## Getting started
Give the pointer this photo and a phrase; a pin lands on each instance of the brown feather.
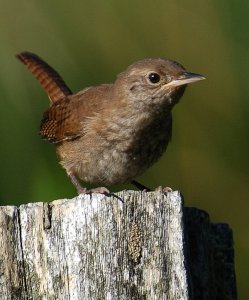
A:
(66, 122)
(49, 79)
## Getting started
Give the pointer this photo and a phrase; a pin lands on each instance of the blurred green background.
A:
(89, 42)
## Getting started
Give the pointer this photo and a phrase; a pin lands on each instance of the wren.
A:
(111, 133)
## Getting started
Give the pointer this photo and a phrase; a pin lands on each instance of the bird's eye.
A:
(154, 77)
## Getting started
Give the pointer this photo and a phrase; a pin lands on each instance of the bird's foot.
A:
(99, 190)
(83, 190)
(143, 188)
(163, 189)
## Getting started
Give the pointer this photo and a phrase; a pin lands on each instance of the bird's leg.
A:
(80, 189)
(140, 186)
(83, 190)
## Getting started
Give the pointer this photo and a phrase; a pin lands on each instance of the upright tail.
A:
(49, 79)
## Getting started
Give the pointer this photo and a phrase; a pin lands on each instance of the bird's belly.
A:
(110, 167)
(114, 158)
(113, 165)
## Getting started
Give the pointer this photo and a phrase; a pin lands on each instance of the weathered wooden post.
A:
(133, 245)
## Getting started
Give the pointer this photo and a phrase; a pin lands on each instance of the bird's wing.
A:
(66, 119)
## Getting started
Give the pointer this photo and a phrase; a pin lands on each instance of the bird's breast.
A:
(120, 151)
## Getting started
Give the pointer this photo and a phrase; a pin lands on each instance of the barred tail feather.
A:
(49, 79)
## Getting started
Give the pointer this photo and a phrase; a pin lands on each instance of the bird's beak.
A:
(185, 78)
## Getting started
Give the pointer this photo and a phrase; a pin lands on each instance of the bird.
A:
(111, 133)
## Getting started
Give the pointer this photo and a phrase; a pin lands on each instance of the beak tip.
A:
(186, 78)
(192, 77)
